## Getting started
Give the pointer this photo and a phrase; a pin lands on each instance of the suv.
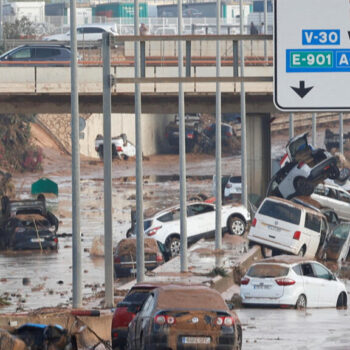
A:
(302, 169)
(289, 227)
(31, 55)
(88, 32)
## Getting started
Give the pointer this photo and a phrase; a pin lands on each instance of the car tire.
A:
(342, 300)
(303, 187)
(301, 302)
(236, 225)
(334, 173)
(173, 246)
(302, 251)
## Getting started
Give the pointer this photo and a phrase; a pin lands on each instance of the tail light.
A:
(228, 133)
(300, 165)
(283, 159)
(153, 231)
(159, 257)
(190, 136)
(245, 281)
(55, 240)
(326, 167)
(226, 321)
(164, 319)
(117, 260)
(285, 281)
(228, 185)
(119, 149)
(297, 235)
(254, 222)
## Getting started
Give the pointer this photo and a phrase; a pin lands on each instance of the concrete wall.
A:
(153, 130)
(259, 153)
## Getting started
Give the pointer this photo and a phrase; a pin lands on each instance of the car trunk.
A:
(263, 281)
(276, 223)
(30, 239)
(194, 328)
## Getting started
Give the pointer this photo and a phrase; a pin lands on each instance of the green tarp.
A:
(44, 185)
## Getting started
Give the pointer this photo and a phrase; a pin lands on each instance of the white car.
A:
(292, 281)
(334, 197)
(233, 186)
(165, 225)
(122, 148)
(88, 32)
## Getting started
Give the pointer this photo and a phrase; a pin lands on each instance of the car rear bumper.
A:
(130, 269)
(276, 302)
(273, 245)
(119, 337)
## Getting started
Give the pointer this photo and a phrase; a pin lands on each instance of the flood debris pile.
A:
(17, 152)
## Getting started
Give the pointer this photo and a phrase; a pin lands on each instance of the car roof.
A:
(164, 211)
(285, 259)
(41, 45)
(99, 25)
(296, 205)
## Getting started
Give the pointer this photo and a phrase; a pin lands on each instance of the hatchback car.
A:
(227, 133)
(126, 310)
(165, 225)
(125, 256)
(233, 187)
(335, 197)
(37, 55)
(288, 281)
(185, 317)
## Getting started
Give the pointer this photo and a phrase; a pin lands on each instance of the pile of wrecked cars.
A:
(27, 224)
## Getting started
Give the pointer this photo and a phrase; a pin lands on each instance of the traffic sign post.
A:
(312, 55)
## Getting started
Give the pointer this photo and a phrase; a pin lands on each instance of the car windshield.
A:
(281, 211)
(137, 297)
(297, 146)
(267, 271)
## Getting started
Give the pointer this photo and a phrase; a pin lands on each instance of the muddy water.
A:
(50, 274)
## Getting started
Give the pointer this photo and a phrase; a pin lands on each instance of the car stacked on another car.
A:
(302, 168)
(165, 225)
(184, 317)
(288, 281)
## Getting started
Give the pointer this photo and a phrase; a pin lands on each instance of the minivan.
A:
(284, 226)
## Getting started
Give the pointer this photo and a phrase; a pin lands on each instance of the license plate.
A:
(36, 240)
(196, 340)
(274, 228)
(262, 286)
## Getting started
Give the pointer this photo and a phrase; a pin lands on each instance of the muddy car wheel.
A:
(236, 226)
(303, 187)
(342, 302)
(333, 173)
(173, 246)
(301, 302)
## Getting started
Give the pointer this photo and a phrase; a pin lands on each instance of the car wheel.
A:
(333, 173)
(301, 302)
(239, 339)
(303, 187)
(236, 225)
(342, 302)
(125, 157)
(302, 251)
(173, 246)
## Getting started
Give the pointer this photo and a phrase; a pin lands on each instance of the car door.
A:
(143, 320)
(325, 281)
(311, 285)
(200, 220)
(344, 204)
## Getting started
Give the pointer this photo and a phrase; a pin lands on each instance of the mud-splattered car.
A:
(26, 224)
(185, 317)
(302, 168)
(126, 310)
(125, 256)
(122, 148)
(292, 281)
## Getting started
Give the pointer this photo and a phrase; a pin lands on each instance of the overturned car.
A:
(302, 168)
(27, 224)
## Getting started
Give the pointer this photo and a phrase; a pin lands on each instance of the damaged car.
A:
(288, 281)
(125, 256)
(302, 168)
(27, 224)
(185, 317)
(285, 226)
(122, 148)
(337, 245)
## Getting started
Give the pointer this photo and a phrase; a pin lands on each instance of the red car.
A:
(126, 311)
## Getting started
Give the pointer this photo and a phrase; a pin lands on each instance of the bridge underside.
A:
(157, 103)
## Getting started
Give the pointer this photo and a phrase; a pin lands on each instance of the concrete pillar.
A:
(258, 153)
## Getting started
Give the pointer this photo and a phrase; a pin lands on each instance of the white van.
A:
(285, 226)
